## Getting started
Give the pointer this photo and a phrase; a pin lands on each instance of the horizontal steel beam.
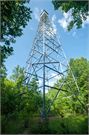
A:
(59, 89)
(40, 87)
(53, 69)
(37, 75)
(45, 63)
(53, 76)
(55, 60)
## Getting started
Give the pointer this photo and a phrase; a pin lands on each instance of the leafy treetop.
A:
(14, 16)
(79, 11)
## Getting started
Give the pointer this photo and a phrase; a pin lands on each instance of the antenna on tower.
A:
(48, 60)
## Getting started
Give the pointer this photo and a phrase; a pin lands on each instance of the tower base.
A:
(43, 121)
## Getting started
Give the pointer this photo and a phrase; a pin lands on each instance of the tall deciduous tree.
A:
(65, 103)
(11, 89)
(17, 72)
(14, 16)
(79, 11)
(11, 94)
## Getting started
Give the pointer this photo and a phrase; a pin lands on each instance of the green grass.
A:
(73, 124)
(12, 126)
(15, 126)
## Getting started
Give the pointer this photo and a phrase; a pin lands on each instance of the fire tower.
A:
(48, 60)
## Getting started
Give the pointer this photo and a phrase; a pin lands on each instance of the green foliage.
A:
(79, 11)
(17, 104)
(11, 126)
(11, 101)
(3, 71)
(71, 125)
(17, 73)
(20, 105)
(62, 105)
(14, 99)
(43, 130)
(6, 97)
(14, 16)
(74, 124)
(80, 71)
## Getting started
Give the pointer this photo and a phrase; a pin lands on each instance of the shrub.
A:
(43, 130)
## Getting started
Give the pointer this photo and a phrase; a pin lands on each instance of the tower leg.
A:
(43, 116)
(43, 121)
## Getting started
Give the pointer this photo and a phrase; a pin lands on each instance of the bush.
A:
(11, 124)
(43, 130)
(71, 125)
(3, 123)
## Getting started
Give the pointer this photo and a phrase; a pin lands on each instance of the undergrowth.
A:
(74, 124)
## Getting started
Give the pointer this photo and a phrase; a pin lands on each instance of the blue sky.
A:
(74, 43)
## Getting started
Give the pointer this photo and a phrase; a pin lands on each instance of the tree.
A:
(80, 70)
(35, 96)
(14, 16)
(17, 72)
(79, 11)
(3, 71)
(12, 91)
(8, 96)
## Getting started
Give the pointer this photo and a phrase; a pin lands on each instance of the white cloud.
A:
(50, 83)
(64, 22)
(54, 75)
(41, 10)
(66, 15)
(70, 19)
(85, 22)
(53, 19)
(31, 28)
(39, 81)
(36, 13)
(74, 33)
(46, 91)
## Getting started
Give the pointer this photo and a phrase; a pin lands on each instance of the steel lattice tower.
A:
(47, 59)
